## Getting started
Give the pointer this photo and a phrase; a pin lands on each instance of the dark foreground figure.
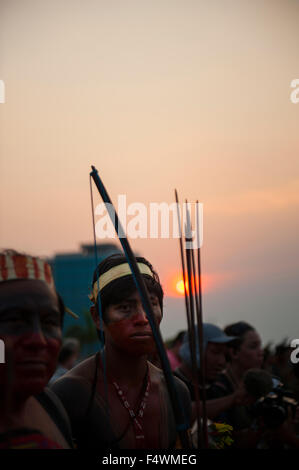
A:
(31, 315)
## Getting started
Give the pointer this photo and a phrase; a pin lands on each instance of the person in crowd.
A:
(215, 343)
(67, 358)
(245, 353)
(117, 398)
(282, 366)
(31, 317)
(269, 358)
(173, 352)
(245, 362)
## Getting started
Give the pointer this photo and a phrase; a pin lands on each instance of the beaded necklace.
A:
(135, 417)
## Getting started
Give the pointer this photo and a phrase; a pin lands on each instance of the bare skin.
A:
(128, 341)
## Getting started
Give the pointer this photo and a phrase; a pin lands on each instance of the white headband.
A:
(115, 273)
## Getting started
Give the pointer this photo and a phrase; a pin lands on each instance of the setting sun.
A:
(180, 286)
(174, 284)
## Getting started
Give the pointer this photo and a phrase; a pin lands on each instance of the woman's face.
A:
(250, 354)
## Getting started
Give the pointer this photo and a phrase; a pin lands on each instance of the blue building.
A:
(73, 278)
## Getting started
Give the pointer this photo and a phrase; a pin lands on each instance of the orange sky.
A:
(193, 95)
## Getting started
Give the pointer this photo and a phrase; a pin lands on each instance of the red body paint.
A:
(31, 361)
(133, 335)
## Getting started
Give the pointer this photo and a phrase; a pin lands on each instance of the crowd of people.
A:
(254, 390)
(119, 398)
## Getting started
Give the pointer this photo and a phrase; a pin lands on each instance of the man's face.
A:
(127, 327)
(215, 360)
(30, 326)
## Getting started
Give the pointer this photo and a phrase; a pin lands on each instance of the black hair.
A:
(239, 330)
(120, 289)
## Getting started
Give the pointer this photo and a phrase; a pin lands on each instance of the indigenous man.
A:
(117, 398)
(31, 315)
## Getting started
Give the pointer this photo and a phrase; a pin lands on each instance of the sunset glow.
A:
(180, 287)
(159, 95)
(174, 285)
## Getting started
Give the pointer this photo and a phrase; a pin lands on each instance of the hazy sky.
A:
(161, 94)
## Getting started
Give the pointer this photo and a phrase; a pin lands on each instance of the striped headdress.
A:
(18, 266)
(15, 265)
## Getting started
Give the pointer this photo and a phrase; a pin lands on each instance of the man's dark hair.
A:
(120, 289)
(239, 330)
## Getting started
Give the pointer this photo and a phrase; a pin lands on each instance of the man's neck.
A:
(125, 368)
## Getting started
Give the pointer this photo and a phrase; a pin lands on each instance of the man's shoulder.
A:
(77, 381)
(158, 375)
(181, 388)
(59, 372)
(84, 369)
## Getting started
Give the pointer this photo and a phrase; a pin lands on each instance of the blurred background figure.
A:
(282, 366)
(67, 358)
(173, 352)
(245, 353)
(215, 350)
(215, 343)
(269, 358)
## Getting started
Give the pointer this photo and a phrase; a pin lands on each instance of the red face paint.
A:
(132, 335)
(30, 362)
(31, 331)
(127, 326)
